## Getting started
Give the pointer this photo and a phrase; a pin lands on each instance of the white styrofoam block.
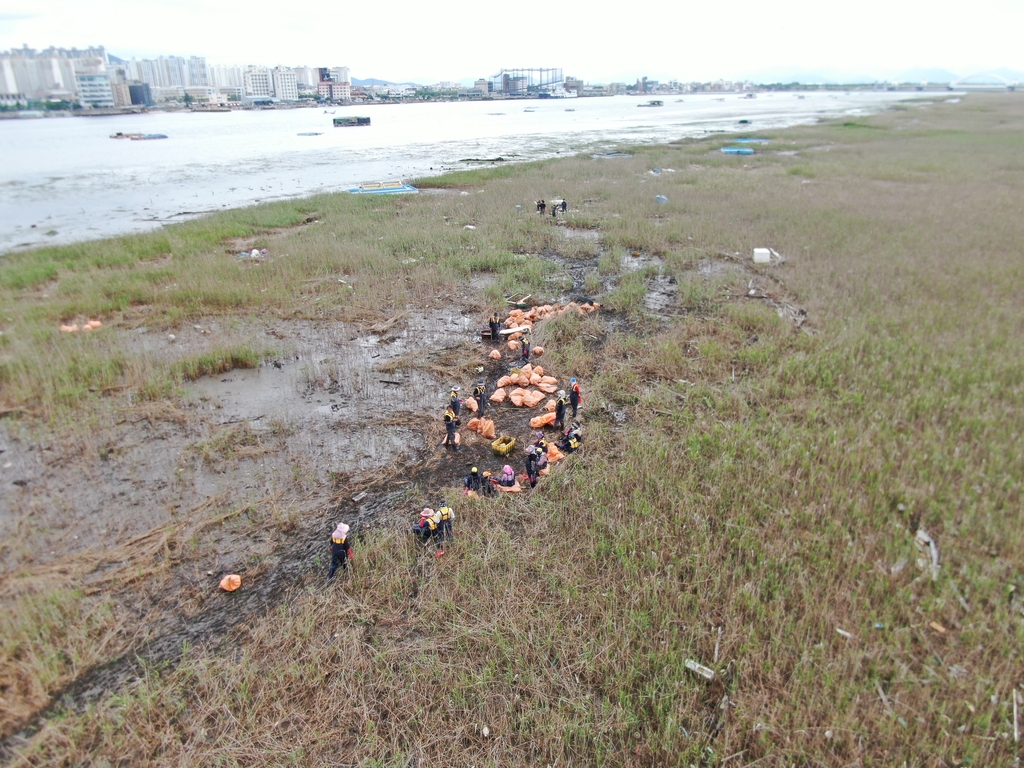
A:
(762, 255)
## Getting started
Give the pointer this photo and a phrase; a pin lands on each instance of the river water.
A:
(65, 180)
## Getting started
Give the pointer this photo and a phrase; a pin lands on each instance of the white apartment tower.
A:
(286, 85)
(258, 82)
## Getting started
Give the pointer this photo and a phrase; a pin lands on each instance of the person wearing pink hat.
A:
(508, 477)
(341, 549)
(427, 527)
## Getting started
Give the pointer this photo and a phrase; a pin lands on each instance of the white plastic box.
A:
(762, 255)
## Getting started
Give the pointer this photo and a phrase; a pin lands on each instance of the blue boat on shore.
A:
(737, 151)
(382, 188)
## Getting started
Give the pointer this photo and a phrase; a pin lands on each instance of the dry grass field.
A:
(763, 443)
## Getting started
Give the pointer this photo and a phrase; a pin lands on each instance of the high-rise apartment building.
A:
(258, 82)
(286, 85)
(197, 72)
(224, 75)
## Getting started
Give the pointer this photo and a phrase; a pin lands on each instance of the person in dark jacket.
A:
(454, 401)
(541, 444)
(427, 527)
(450, 422)
(525, 343)
(541, 205)
(445, 533)
(564, 206)
(495, 324)
(508, 477)
(560, 404)
(575, 396)
(572, 440)
(531, 465)
(480, 395)
(341, 550)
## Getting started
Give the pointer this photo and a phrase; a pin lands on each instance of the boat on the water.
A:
(348, 122)
(529, 110)
(382, 188)
(138, 136)
(653, 103)
(737, 151)
(310, 133)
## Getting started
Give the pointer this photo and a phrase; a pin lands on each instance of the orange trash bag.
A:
(527, 369)
(487, 429)
(515, 336)
(474, 424)
(472, 495)
(538, 370)
(470, 404)
(523, 380)
(548, 380)
(537, 351)
(231, 582)
(554, 454)
(532, 399)
(498, 396)
(534, 378)
(548, 388)
(516, 396)
(495, 355)
(517, 488)
(550, 405)
(537, 422)
(513, 346)
(544, 472)
(504, 381)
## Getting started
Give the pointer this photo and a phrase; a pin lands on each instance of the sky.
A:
(426, 42)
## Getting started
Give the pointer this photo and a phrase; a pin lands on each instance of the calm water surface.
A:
(63, 180)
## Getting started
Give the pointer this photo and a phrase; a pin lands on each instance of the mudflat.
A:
(732, 568)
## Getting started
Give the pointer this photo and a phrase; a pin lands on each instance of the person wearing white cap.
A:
(427, 526)
(560, 404)
(341, 550)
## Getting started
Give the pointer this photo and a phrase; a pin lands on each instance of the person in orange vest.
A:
(341, 550)
(575, 396)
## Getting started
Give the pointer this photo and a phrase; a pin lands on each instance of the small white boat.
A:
(382, 188)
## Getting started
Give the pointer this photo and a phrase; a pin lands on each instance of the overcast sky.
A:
(441, 40)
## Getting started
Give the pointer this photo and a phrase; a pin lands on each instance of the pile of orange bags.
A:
(537, 422)
(484, 426)
(518, 317)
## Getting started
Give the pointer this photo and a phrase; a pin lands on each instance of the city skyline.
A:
(662, 40)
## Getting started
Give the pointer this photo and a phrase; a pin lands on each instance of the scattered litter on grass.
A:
(231, 582)
(927, 546)
(844, 633)
(699, 669)
(937, 627)
(661, 198)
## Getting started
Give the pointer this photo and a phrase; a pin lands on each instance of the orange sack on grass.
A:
(534, 378)
(231, 582)
(513, 346)
(473, 425)
(538, 370)
(548, 380)
(513, 489)
(523, 380)
(504, 381)
(554, 454)
(537, 422)
(537, 351)
(516, 396)
(527, 369)
(495, 355)
(532, 399)
(550, 405)
(549, 388)
(544, 472)
(498, 396)
(515, 336)
(487, 429)
(470, 404)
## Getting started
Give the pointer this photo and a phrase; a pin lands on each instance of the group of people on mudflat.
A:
(556, 206)
(436, 526)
